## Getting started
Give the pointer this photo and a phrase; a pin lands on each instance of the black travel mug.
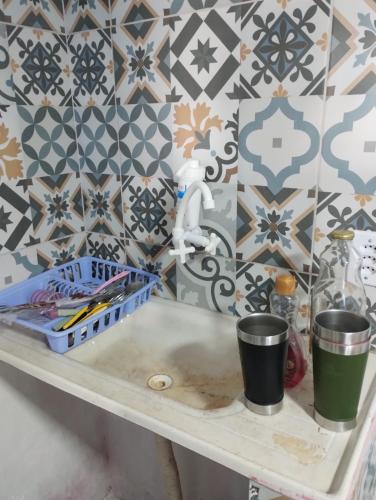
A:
(263, 346)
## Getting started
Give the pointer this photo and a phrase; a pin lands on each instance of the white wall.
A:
(56, 447)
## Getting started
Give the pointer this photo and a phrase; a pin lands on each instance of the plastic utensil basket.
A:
(80, 275)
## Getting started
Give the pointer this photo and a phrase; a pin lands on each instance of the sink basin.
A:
(199, 355)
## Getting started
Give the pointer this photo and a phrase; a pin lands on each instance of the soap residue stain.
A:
(305, 453)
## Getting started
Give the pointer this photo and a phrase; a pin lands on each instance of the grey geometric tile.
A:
(48, 140)
(205, 55)
(154, 259)
(284, 48)
(104, 246)
(254, 284)
(207, 281)
(97, 139)
(18, 266)
(293, 160)
(91, 62)
(103, 206)
(6, 81)
(58, 252)
(131, 11)
(149, 209)
(352, 58)
(15, 216)
(207, 131)
(341, 211)
(142, 62)
(56, 206)
(40, 66)
(145, 140)
(82, 15)
(275, 229)
(39, 14)
(348, 163)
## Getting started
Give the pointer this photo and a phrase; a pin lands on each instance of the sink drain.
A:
(159, 382)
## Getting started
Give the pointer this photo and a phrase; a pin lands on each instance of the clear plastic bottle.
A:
(285, 303)
(339, 284)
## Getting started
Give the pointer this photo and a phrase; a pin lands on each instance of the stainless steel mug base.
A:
(333, 425)
(266, 410)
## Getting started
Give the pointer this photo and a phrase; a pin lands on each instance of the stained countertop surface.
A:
(203, 410)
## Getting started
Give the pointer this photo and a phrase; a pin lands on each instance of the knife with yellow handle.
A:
(84, 313)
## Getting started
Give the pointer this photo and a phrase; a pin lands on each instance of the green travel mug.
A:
(338, 367)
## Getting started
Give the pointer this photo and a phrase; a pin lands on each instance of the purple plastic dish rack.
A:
(80, 275)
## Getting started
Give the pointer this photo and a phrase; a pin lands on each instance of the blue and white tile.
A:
(154, 259)
(60, 251)
(6, 80)
(185, 6)
(205, 56)
(131, 11)
(337, 211)
(16, 229)
(40, 66)
(97, 139)
(349, 144)
(92, 68)
(207, 131)
(145, 140)
(103, 206)
(284, 48)
(254, 284)
(105, 246)
(352, 68)
(275, 229)
(18, 266)
(279, 142)
(207, 281)
(39, 14)
(56, 206)
(82, 15)
(48, 140)
(149, 209)
(11, 158)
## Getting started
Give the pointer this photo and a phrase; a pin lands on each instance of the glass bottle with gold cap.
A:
(339, 284)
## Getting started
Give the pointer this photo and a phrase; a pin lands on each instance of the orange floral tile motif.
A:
(10, 164)
(195, 126)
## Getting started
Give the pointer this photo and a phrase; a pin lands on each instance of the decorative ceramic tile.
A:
(131, 11)
(275, 229)
(103, 207)
(40, 66)
(15, 216)
(255, 282)
(97, 139)
(61, 251)
(222, 220)
(56, 206)
(48, 140)
(6, 81)
(279, 142)
(154, 259)
(11, 160)
(341, 211)
(207, 281)
(149, 209)
(284, 48)
(185, 6)
(349, 144)
(353, 49)
(104, 246)
(81, 15)
(145, 140)
(18, 266)
(42, 14)
(91, 63)
(205, 56)
(209, 133)
(142, 62)
(371, 310)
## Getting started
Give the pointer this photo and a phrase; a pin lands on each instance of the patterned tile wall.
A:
(101, 102)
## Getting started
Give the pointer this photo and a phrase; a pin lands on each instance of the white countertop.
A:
(288, 452)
